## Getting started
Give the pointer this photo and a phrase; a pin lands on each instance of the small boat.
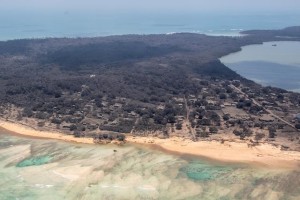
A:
(274, 45)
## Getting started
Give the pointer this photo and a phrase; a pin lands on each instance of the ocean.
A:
(21, 24)
(49, 169)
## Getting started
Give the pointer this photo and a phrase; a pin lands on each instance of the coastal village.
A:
(166, 86)
(221, 110)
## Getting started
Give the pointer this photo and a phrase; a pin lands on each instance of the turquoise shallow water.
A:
(33, 161)
(46, 169)
(200, 171)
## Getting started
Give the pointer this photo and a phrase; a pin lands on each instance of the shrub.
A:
(77, 134)
(27, 112)
(178, 126)
(226, 117)
(213, 129)
(259, 136)
(73, 127)
(56, 121)
(223, 96)
(202, 134)
(121, 137)
(41, 124)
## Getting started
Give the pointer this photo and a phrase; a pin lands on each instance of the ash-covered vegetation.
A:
(91, 55)
(153, 84)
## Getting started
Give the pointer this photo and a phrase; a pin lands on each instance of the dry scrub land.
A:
(107, 88)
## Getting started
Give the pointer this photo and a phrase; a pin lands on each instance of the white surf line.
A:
(143, 187)
(147, 187)
(42, 186)
(114, 186)
(121, 187)
(69, 177)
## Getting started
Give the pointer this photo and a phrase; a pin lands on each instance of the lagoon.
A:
(274, 64)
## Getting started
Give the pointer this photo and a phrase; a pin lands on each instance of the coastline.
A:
(264, 155)
(20, 129)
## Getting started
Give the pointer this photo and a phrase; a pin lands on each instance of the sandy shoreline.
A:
(28, 131)
(265, 155)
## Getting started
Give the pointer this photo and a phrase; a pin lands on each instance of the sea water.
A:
(38, 24)
(270, 64)
(49, 169)
(41, 24)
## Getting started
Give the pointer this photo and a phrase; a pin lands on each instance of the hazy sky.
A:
(154, 5)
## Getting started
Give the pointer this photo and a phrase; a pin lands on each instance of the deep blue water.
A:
(15, 25)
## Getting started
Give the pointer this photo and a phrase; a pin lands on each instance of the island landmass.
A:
(165, 90)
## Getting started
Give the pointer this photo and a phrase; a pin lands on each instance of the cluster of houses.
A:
(218, 106)
(237, 108)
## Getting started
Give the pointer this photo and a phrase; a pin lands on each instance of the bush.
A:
(27, 112)
(213, 129)
(237, 132)
(77, 134)
(226, 117)
(240, 105)
(41, 115)
(223, 96)
(247, 103)
(178, 126)
(171, 119)
(56, 121)
(202, 134)
(73, 127)
(272, 132)
(246, 132)
(41, 124)
(259, 136)
(121, 137)
(111, 136)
